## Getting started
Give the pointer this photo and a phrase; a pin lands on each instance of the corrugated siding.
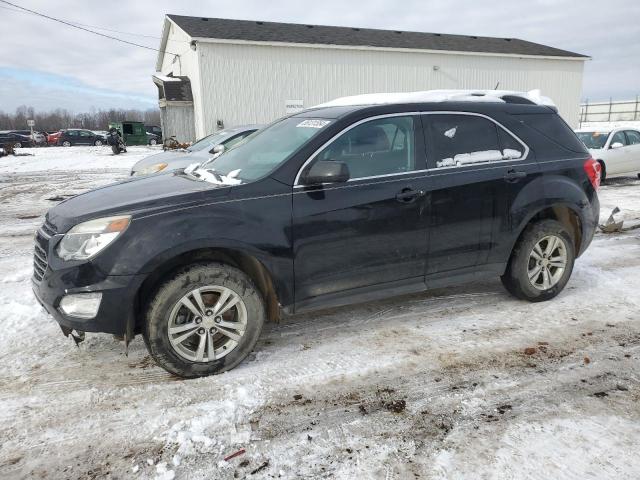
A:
(251, 83)
(179, 122)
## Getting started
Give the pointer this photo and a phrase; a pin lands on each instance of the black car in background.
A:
(15, 139)
(154, 130)
(326, 207)
(72, 136)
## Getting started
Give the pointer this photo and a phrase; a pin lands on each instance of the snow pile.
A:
(487, 96)
(72, 158)
(213, 424)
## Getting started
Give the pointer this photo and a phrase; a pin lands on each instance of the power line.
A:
(85, 29)
(89, 26)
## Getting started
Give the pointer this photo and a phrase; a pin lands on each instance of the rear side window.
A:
(554, 128)
(458, 140)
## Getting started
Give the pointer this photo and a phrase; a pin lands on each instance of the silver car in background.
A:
(201, 151)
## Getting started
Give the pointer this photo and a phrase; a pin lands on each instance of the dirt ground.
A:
(466, 382)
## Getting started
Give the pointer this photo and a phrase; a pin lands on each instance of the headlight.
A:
(87, 239)
(155, 168)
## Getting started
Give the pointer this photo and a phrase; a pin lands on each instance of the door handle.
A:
(408, 195)
(513, 176)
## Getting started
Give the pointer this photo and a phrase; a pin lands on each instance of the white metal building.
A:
(215, 72)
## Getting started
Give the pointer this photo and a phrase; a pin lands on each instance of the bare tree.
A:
(60, 118)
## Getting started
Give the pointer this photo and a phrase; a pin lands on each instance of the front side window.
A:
(268, 148)
(618, 137)
(379, 147)
(633, 137)
(233, 141)
(458, 140)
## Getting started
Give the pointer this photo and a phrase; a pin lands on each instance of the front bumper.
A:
(54, 278)
(116, 312)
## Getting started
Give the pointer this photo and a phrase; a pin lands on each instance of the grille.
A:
(48, 229)
(39, 263)
(40, 250)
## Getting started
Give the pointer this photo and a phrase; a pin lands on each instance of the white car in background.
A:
(617, 150)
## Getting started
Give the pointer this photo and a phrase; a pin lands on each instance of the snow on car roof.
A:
(438, 96)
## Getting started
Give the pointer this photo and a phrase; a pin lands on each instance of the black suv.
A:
(326, 207)
(71, 137)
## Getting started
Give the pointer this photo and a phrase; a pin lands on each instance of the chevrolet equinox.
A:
(330, 206)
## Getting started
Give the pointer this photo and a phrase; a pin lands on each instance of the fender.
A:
(542, 193)
(280, 268)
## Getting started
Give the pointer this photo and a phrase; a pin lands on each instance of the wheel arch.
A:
(247, 262)
(564, 213)
(603, 166)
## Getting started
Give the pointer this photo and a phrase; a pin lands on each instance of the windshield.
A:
(594, 140)
(267, 149)
(207, 141)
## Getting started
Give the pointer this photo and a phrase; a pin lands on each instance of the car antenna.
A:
(497, 85)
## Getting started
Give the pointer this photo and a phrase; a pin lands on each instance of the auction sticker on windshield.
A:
(313, 123)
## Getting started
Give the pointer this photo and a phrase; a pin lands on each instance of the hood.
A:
(174, 159)
(136, 196)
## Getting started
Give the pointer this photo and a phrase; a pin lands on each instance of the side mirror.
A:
(616, 145)
(217, 150)
(327, 171)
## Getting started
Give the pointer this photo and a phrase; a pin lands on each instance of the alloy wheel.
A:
(207, 323)
(547, 262)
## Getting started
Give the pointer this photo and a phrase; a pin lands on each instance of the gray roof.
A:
(247, 30)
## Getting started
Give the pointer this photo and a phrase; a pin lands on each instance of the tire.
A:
(165, 308)
(522, 263)
(603, 171)
(98, 143)
(115, 149)
(66, 143)
(17, 145)
(153, 141)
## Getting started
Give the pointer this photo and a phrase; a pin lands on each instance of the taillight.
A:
(594, 170)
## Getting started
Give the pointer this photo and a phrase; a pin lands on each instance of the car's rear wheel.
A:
(17, 145)
(98, 143)
(153, 141)
(204, 320)
(66, 143)
(541, 263)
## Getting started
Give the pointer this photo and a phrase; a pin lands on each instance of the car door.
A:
(476, 170)
(73, 136)
(369, 231)
(633, 150)
(615, 158)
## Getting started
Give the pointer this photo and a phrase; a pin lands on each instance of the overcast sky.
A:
(48, 65)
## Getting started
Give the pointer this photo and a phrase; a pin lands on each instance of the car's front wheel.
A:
(98, 143)
(17, 145)
(603, 171)
(153, 141)
(204, 320)
(66, 143)
(541, 262)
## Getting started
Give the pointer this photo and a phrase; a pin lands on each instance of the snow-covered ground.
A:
(429, 386)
